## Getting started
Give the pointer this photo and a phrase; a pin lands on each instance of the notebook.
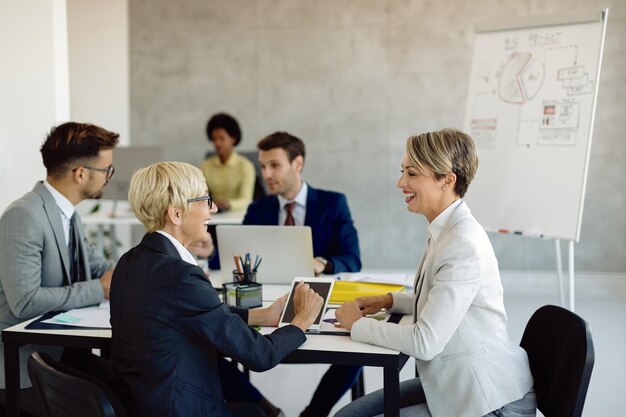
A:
(286, 251)
(322, 286)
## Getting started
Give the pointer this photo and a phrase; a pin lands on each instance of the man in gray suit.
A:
(45, 261)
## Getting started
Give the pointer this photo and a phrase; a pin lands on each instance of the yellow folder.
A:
(347, 291)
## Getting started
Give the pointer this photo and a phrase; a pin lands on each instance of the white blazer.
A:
(466, 362)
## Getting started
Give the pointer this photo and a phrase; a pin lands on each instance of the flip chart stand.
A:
(570, 271)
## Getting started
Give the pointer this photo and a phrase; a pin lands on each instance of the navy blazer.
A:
(168, 325)
(327, 212)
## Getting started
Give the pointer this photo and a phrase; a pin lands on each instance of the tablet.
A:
(322, 286)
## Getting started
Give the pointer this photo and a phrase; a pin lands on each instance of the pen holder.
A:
(239, 294)
(244, 277)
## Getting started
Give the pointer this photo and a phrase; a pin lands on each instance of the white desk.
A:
(329, 349)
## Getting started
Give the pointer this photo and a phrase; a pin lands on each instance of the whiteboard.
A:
(530, 109)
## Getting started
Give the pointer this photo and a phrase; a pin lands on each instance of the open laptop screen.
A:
(286, 251)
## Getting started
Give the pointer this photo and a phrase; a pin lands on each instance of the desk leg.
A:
(392, 392)
(12, 378)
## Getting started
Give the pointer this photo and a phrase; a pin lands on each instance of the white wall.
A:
(354, 79)
(61, 60)
(98, 45)
(33, 89)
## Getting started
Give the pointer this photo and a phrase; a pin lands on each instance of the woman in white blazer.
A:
(467, 364)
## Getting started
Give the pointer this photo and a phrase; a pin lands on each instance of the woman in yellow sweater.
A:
(229, 175)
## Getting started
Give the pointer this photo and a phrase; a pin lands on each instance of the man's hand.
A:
(223, 204)
(268, 316)
(201, 248)
(307, 306)
(373, 304)
(318, 267)
(105, 280)
(348, 313)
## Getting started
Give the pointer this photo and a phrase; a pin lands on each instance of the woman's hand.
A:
(275, 310)
(307, 306)
(267, 316)
(373, 304)
(348, 314)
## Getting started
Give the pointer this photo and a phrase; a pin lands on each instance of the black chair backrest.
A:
(66, 392)
(561, 356)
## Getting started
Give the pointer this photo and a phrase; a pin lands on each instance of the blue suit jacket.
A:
(328, 215)
(168, 325)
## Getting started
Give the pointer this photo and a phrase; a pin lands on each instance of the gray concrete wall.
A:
(353, 79)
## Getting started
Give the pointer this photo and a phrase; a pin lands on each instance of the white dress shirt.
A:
(65, 207)
(182, 251)
(299, 211)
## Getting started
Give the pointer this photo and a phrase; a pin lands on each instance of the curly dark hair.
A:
(226, 122)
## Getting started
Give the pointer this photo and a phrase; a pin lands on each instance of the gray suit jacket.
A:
(34, 264)
(467, 364)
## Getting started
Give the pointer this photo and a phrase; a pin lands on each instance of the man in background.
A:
(335, 242)
(292, 201)
(45, 262)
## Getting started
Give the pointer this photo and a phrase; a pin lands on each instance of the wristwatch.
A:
(324, 262)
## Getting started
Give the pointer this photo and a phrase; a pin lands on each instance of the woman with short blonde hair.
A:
(170, 183)
(167, 321)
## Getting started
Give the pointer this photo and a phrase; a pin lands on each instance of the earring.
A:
(444, 188)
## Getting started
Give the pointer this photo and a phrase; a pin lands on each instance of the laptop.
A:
(286, 252)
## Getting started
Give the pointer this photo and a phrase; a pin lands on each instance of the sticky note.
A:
(66, 318)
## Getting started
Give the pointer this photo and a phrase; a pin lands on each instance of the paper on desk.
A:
(329, 319)
(94, 317)
(380, 278)
(328, 323)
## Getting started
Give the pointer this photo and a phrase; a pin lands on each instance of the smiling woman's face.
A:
(196, 220)
(422, 193)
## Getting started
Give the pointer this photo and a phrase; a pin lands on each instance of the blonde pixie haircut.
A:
(153, 189)
(445, 151)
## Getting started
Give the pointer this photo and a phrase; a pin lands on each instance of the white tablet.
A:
(322, 286)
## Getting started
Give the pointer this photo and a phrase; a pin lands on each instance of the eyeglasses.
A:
(109, 171)
(203, 198)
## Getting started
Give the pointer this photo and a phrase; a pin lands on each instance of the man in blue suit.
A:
(335, 242)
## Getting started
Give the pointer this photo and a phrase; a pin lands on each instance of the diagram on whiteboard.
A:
(521, 78)
(528, 88)
(530, 109)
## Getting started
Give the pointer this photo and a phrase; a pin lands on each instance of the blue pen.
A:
(257, 265)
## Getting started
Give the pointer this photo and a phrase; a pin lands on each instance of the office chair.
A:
(561, 356)
(66, 392)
